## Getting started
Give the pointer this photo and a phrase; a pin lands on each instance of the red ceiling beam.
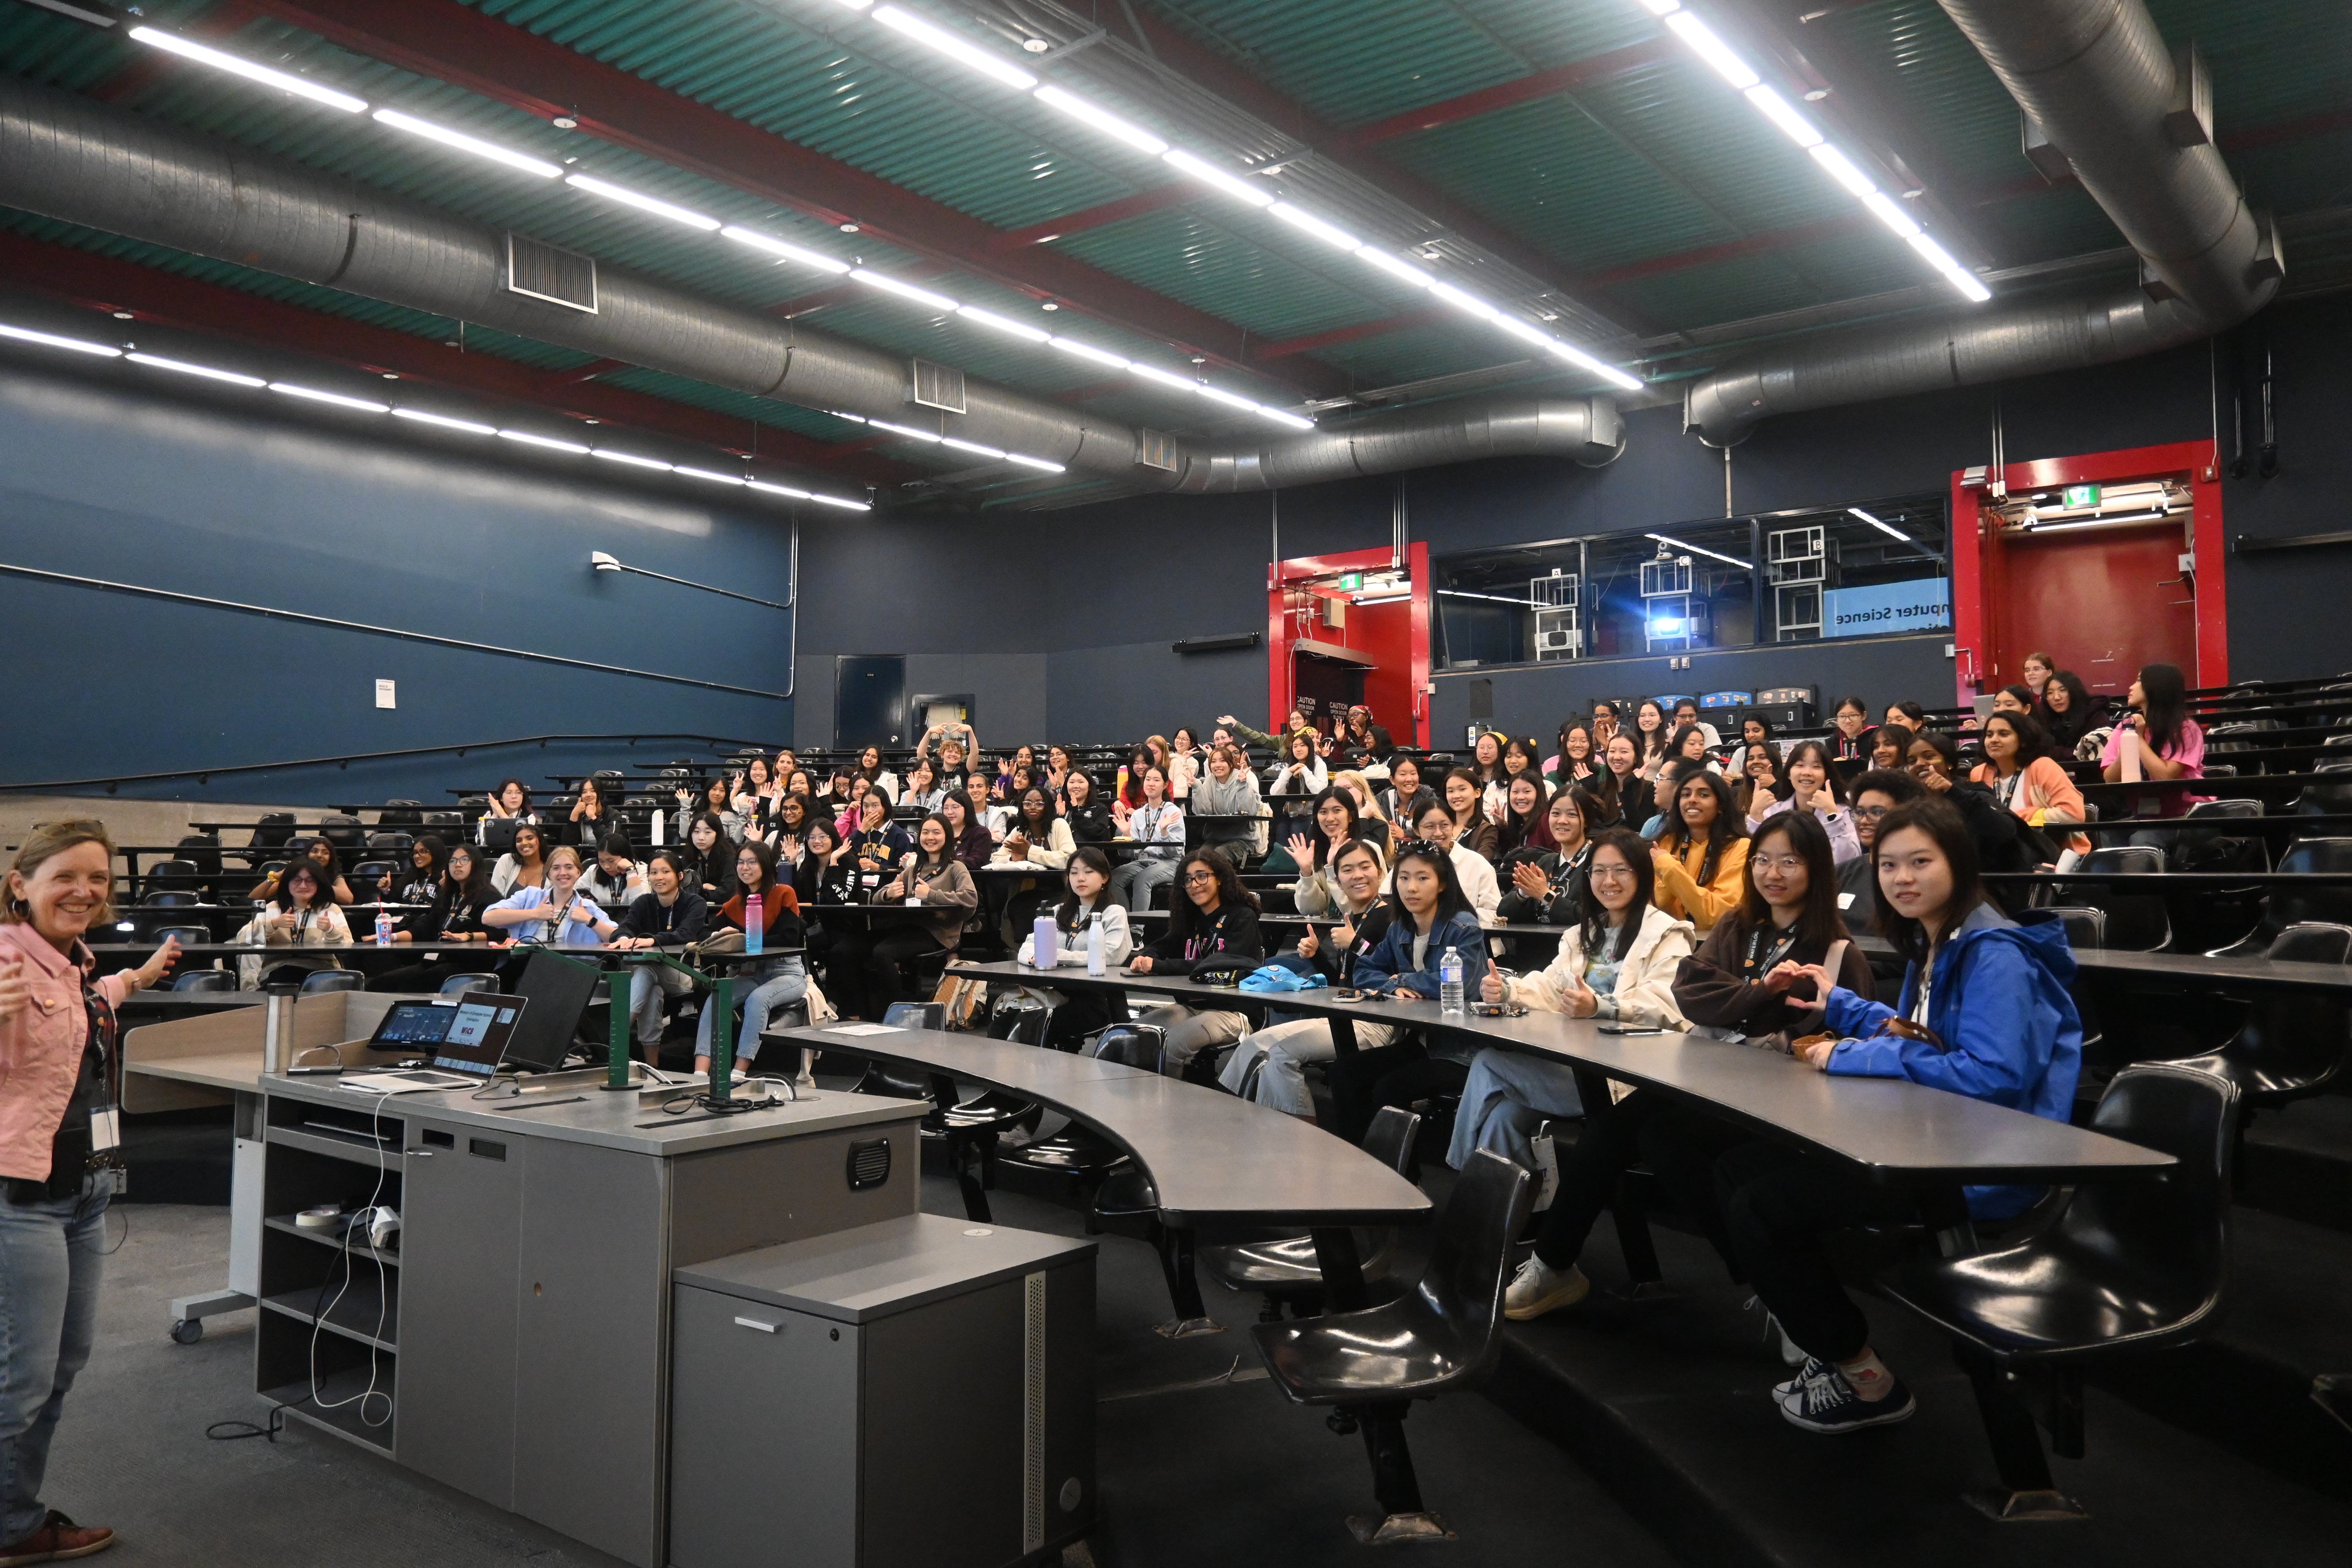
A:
(180, 301)
(446, 40)
(1510, 94)
(1237, 86)
(1158, 199)
(1763, 244)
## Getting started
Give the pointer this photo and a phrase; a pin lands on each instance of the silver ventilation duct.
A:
(87, 163)
(2101, 92)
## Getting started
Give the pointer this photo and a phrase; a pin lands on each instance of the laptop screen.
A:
(470, 1037)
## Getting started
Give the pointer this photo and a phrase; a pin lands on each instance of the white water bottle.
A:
(1095, 945)
(1045, 943)
(1449, 982)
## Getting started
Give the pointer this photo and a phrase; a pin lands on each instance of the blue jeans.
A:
(779, 985)
(49, 1266)
(1509, 1096)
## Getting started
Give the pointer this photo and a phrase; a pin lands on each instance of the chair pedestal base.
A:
(2025, 1507)
(1188, 1328)
(1395, 1529)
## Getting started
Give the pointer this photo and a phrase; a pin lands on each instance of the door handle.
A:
(755, 1324)
(420, 1153)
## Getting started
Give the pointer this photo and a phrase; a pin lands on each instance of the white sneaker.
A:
(1537, 1289)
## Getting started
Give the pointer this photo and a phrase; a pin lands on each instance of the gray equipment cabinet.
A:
(512, 1341)
(917, 1393)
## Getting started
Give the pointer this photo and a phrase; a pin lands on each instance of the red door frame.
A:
(1975, 602)
(1282, 576)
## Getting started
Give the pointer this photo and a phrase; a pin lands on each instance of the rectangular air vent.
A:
(1155, 450)
(937, 386)
(548, 272)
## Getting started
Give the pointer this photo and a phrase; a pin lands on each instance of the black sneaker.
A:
(1813, 1367)
(1827, 1404)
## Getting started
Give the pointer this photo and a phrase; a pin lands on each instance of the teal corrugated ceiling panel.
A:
(1185, 256)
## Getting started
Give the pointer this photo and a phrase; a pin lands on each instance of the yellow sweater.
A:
(1681, 894)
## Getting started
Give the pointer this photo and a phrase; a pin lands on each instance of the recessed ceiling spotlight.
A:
(392, 375)
(565, 122)
(592, 422)
(849, 229)
(1049, 305)
(1035, 46)
(1816, 94)
(122, 315)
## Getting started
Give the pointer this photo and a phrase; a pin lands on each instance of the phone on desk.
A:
(1625, 1029)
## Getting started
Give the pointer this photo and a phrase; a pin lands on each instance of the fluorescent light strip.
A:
(336, 398)
(50, 340)
(1396, 266)
(845, 504)
(930, 438)
(1703, 550)
(1165, 378)
(205, 371)
(285, 81)
(1792, 123)
(783, 250)
(707, 474)
(1101, 119)
(1088, 351)
(464, 144)
(1005, 324)
(890, 285)
(1208, 174)
(469, 426)
(1029, 462)
(1308, 223)
(630, 198)
(1383, 599)
(973, 446)
(954, 46)
(907, 430)
(634, 461)
(549, 442)
(1884, 527)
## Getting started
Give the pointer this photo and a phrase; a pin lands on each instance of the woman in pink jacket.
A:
(60, 1074)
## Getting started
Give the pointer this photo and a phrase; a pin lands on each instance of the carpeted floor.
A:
(1196, 1465)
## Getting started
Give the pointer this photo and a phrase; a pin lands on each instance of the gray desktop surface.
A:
(877, 1271)
(1210, 1154)
(627, 1119)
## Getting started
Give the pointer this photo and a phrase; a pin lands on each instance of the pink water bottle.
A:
(755, 929)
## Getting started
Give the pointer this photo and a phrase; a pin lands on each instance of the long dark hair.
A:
(2082, 709)
(1066, 915)
(475, 886)
(1451, 901)
(1528, 829)
(303, 848)
(2165, 705)
(537, 837)
(323, 884)
(1682, 735)
(1724, 831)
(1820, 753)
(1819, 924)
(1593, 917)
(1477, 810)
(759, 850)
(946, 841)
(1900, 735)
(1940, 821)
(436, 852)
(2032, 740)
(1318, 841)
(1184, 915)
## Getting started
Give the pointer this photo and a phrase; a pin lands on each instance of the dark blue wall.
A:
(232, 495)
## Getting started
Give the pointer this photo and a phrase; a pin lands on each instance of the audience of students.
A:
(1215, 917)
(1350, 897)
(1474, 872)
(1157, 826)
(2156, 738)
(1808, 781)
(1086, 902)
(1431, 918)
(1548, 888)
(1702, 855)
(775, 982)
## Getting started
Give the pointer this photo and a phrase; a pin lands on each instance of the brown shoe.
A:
(59, 1539)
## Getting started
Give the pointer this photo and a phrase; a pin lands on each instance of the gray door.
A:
(459, 1261)
(869, 701)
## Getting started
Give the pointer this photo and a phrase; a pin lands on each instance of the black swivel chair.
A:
(186, 936)
(170, 901)
(2293, 1042)
(205, 980)
(345, 831)
(458, 985)
(2289, 906)
(1286, 1270)
(2130, 1263)
(401, 814)
(1441, 1335)
(173, 876)
(319, 982)
(2137, 923)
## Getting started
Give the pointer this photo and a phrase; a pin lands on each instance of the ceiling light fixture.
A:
(634, 461)
(1884, 527)
(1005, 324)
(549, 442)
(1306, 222)
(464, 144)
(236, 65)
(336, 398)
(469, 426)
(706, 475)
(1208, 174)
(783, 250)
(1101, 119)
(630, 198)
(953, 45)
(890, 285)
(1089, 351)
(1786, 118)
(1703, 550)
(159, 362)
(51, 340)
(1029, 462)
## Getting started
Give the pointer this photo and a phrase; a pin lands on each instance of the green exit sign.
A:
(2081, 496)
(1352, 581)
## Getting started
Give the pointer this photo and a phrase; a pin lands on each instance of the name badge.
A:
(105, 1129)
(1845, 900)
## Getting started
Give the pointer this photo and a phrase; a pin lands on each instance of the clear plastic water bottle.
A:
(384, 927)
(1095, 945)
(1449, 982)
(1044, 943)
(755, 928)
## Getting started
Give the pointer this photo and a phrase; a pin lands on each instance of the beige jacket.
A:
(1645, 994)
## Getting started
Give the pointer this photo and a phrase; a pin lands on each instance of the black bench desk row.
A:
(2188, 969)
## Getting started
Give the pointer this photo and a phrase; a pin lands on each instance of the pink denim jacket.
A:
(41, 1047)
